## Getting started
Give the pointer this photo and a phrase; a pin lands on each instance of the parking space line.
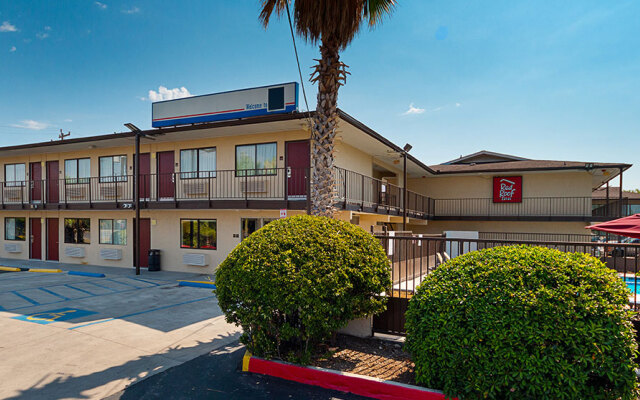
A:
(151, 283)
(122, 283)
(54, 293)
(105, 287)
(79, 290)
(35, 303)
(139, 313)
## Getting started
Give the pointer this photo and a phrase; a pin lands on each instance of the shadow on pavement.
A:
(80, 387)
(218, 375)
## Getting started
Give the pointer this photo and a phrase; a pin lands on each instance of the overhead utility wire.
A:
(295, 49)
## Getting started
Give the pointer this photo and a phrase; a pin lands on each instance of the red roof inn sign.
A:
(507, 189)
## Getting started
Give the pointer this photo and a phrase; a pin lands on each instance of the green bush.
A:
(297, 280)
(523, 322)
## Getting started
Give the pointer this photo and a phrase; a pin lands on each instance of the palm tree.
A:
(333, 23)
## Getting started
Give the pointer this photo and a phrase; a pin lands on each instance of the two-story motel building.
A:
(206, 184)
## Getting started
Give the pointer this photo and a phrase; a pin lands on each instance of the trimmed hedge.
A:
(523, 322)
(297, 280)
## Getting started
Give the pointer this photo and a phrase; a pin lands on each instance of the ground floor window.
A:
(77, 230)
(113, 231)
(14, 228)
(250, 225)
(198, 233)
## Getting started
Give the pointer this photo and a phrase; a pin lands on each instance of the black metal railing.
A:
(539, 237)
(579, 207)
(278, 184)
(413, 258)
(366, 193)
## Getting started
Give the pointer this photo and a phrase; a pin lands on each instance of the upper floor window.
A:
(198, 163)
(14, 174)
(113, 169)
(77, 170)
(14, 228)
(256, 159)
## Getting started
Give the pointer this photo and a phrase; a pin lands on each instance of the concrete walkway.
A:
(64, 336)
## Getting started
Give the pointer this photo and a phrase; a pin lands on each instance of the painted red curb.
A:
(344, 382)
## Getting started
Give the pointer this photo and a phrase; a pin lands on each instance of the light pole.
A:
(406, 149)
(136, 196)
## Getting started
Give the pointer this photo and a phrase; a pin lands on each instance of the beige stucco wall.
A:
(165, 235)
(225, 151)
(534, 184)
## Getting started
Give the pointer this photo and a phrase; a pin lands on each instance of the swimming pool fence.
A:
(413, 258)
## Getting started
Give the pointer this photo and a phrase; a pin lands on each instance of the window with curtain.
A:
(198, 163)
(77, 230)
(14, 228)
(14, 174)
(256, 159)
(198, 233)
(113, 169)
(77, 170)
(113, 231)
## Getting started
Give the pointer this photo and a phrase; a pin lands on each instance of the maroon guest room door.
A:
(166, 178)
(52, 239)
(144, 186)
(35, 239)
(52, 182)
(35, 181)
(145, 241)
(297, 160)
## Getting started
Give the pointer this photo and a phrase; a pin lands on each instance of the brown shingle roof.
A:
(526, 165)
(614, 193)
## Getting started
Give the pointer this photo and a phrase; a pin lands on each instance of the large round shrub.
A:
(297, 280)
(523, 322)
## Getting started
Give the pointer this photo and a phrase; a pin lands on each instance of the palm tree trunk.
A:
(329, 74)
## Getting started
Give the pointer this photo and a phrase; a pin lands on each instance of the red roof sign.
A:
(507, 189)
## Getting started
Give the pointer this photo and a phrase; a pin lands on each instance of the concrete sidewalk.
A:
(167, 275)
(66, 336)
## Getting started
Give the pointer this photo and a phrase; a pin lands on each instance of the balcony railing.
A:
(361, 192)
(530, 207)
(220, 188)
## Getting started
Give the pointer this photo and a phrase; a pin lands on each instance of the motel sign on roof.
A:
(265, 100)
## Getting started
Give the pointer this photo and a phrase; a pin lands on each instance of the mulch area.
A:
(372, 357)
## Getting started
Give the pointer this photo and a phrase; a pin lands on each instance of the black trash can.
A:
(154, 260)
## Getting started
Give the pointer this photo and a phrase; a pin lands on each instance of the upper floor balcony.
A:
(268, 188)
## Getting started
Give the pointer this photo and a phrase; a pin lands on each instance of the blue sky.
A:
(545, 79)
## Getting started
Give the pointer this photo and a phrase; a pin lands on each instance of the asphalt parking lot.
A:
(65, 336)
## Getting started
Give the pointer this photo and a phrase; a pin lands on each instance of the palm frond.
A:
(268, 6)
(337, 20)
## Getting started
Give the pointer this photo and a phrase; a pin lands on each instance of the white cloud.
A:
(42, 36)
(68, 120)
(458, 104)
(12, 49)
(102, 6)
(132, 10)
(413, 110)
(7, 27)
(31, 124)
(47, 28)
(168, 94)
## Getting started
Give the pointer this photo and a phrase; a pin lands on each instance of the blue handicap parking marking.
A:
(61, 314)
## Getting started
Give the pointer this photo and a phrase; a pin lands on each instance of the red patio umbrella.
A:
(627, 226)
